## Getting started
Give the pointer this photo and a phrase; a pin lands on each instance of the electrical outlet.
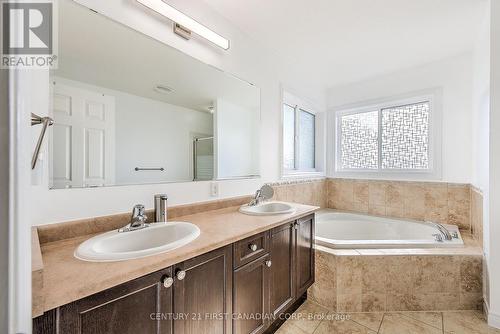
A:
(214, 189)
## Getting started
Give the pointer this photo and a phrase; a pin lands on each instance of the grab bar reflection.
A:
(161, 169)
(46, 122)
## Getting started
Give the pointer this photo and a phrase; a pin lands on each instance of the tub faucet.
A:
(137, 221)
(446, 234)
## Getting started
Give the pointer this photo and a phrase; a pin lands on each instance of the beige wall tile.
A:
(446, 301)
(401, 271)
(373, 302)
(414, 201)
(349, 273)
(376, 193)
(324, 289)
(360, 189)
(471, 277)
(459, 205)
(374, 275)
(344, 192)
(476, 212)
(436, 203)
(377, 210)
(394, 196)
(436, 274)
(349, 303)
(440, 202)
(470, 301)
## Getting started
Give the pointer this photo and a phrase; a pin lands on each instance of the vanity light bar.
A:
(185, 21)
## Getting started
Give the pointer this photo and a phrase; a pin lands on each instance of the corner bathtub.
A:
(337, 229)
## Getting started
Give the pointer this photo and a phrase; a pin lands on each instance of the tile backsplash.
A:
(476, 212)
(310, 192)
(447, 203)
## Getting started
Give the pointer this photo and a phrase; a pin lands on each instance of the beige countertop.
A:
(66, 279)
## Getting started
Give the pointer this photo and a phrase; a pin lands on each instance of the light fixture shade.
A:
(178, 17)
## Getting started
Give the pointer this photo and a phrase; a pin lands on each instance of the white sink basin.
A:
(267, 208)
(155, 239)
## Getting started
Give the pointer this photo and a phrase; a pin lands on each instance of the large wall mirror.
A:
(131, 110)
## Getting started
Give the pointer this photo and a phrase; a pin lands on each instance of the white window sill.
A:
(302, 175)
(400, 176)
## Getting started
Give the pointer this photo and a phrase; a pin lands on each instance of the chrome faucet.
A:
(264, 193)
(137, 221)
(257, 198)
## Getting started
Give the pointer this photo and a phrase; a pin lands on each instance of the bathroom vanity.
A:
(238, 277)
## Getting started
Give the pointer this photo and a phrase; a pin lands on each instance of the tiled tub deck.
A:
(371, 280)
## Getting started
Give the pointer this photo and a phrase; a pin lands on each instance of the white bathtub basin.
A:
(155, 239)
(337, 229)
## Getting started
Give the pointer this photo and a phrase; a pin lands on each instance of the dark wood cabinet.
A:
(202, 293)
(282, 276)
(304, 254)
(251, 297)
(137, 306)
(241, 288)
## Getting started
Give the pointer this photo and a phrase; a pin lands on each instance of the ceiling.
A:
(340, 41)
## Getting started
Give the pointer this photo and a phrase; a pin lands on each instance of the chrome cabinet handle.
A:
(167, 281)
(253, 247)
(181, 274)
(269, 263)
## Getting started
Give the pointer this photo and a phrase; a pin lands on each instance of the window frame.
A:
(299, 104)
(435, 109)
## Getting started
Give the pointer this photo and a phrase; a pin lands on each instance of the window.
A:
(386, 138)
(303, 138)
(298, 139)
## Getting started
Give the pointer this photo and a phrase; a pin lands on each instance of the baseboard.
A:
(494, 320)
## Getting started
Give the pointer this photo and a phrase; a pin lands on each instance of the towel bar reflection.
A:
(46, 122)
(161, 169)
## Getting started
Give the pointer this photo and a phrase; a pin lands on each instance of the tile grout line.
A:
(381, 321)
(370, 329)
(442, 322)
(441, 313)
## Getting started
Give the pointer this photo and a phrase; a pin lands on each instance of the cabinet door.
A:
(304, 245)
(139, 306)
(251, 297)
(202, 298)
(282, 278)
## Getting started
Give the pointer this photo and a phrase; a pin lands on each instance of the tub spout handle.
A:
(439, 237)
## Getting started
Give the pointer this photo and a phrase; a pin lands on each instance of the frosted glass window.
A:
(306, 144)
(405, 137)
(288, 137)
(359, 140)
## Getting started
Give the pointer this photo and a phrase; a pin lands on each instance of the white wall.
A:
(4, 201)
(160, 135)
(481, 132)
(237, 140)
(493, 233)
(455, 77)
(244, 59)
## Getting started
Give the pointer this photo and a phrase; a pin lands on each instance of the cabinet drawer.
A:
(249, 249)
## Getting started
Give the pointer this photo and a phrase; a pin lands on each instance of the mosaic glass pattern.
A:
(405, 137)
(359, 140)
